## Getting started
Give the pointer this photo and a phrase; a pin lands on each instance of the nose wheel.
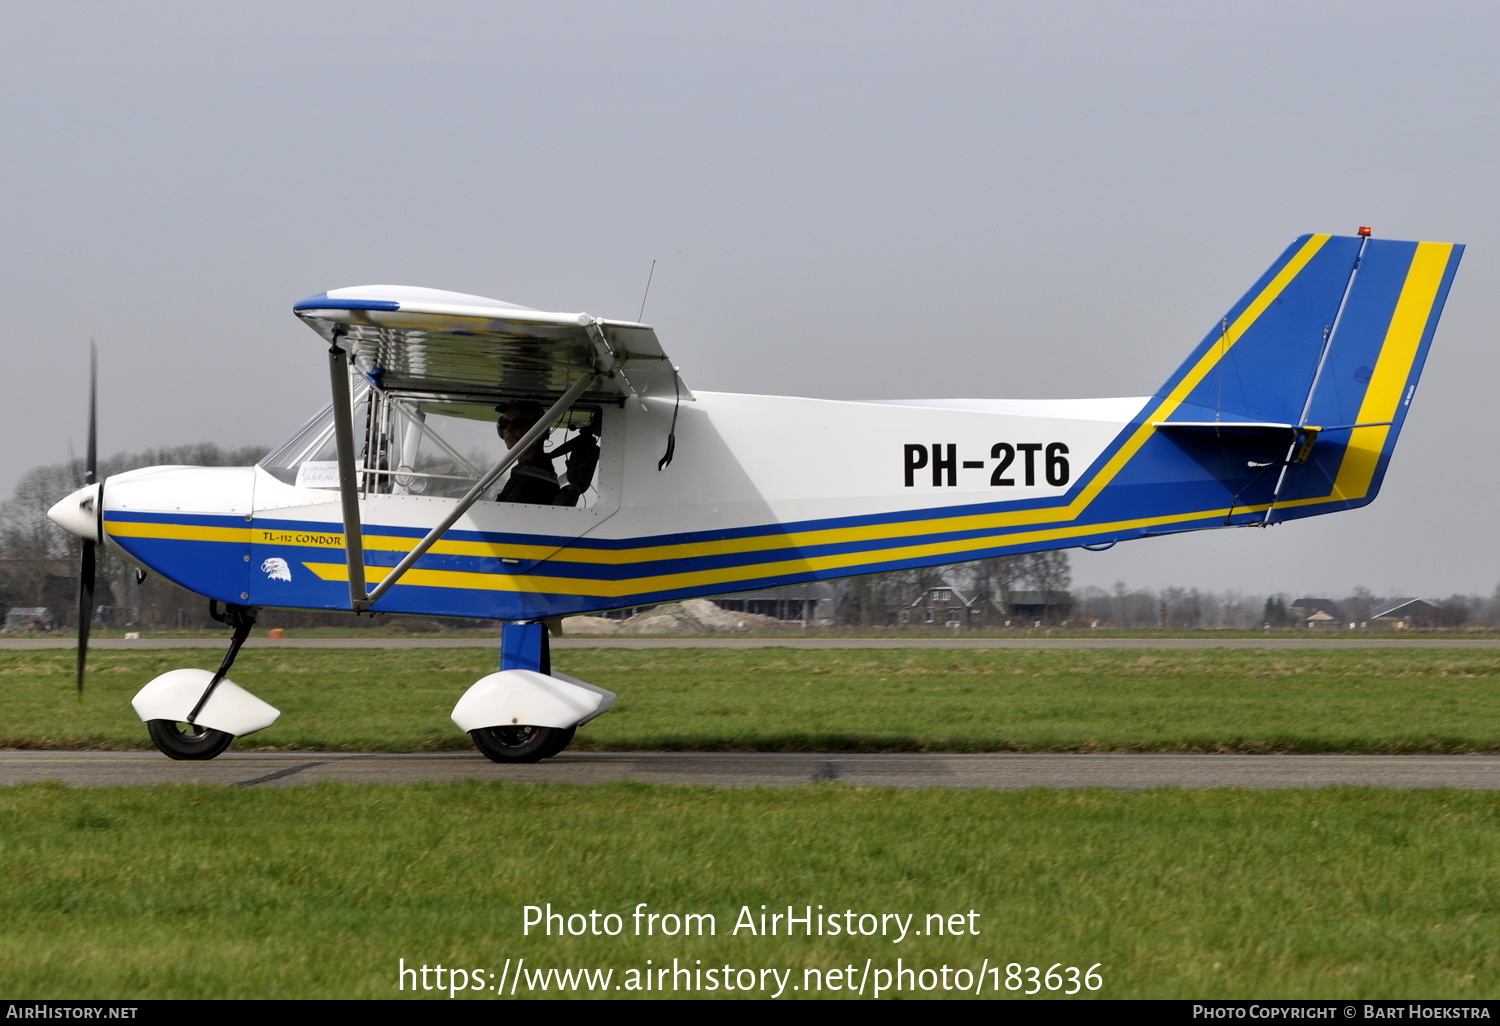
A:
(187, 740)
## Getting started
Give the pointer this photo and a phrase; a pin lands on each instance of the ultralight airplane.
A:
(481, 459)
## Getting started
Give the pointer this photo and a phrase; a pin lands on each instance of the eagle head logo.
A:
(276, 569)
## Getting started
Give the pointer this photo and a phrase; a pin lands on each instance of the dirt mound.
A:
(696, 616)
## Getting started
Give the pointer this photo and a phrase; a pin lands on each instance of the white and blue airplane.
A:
(482, 459)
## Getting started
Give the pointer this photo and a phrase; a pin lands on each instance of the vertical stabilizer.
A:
(1298, 395)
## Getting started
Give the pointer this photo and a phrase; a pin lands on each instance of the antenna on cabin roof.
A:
(649, 275)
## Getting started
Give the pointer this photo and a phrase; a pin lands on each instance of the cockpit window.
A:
(441, 446)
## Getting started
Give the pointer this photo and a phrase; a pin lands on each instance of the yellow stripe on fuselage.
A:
(593, 587)
(175, 532)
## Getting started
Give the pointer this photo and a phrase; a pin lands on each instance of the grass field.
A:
(320, 891)
(1379, 701)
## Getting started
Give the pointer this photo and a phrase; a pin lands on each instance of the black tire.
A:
(520, 744)
(187, 741)
(560, 740)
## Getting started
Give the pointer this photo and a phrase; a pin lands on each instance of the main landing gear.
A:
(527, 712)
(528, 650)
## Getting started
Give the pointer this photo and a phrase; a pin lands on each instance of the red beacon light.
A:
(1364, 231)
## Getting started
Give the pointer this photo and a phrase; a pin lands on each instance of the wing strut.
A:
(343, 434)
(359, 601)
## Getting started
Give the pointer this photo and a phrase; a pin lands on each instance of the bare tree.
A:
(1049, 574)
(1182, 609)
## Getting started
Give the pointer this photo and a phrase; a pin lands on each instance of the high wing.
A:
(453, 346)
(430, 341)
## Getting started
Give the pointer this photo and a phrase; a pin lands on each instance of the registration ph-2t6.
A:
(1009, 464)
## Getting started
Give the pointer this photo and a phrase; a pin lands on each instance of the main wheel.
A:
(187, 740)
(521, 744)
(560, 740)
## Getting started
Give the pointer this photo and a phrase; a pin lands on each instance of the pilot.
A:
(532, 478)
(582, 452)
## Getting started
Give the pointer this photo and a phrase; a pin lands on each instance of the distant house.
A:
(946, 606)
(1402, 613)
(1309, 606)
(1316, 612)
(26, 619)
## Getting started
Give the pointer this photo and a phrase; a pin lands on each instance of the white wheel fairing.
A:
(232, 709)
(527, 698)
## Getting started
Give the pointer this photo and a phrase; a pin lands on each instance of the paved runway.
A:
(563, 643)
(732, 769)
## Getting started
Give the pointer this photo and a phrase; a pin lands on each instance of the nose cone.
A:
(78, 514)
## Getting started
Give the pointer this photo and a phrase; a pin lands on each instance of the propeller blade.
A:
(85, 609)
(87, 563)
(92, 465)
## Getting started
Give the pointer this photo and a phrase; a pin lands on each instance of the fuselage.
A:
(761, 491)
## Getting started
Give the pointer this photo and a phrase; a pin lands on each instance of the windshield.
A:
(440, 446)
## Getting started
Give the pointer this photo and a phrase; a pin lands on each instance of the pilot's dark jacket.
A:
(531, 480)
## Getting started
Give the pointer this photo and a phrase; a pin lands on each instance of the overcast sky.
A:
(1008, 200)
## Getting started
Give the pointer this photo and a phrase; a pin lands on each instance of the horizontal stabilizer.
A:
(1225, 427)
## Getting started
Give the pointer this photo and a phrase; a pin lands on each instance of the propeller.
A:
(81, 515)
(88, 563)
